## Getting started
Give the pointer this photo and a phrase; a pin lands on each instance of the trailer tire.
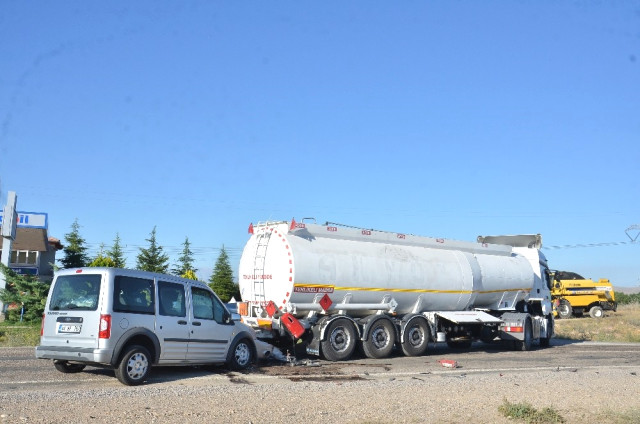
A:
(415, 338)
(564, 309)
(382, 337)
(596, 312)
(527, 331)
(340, 342)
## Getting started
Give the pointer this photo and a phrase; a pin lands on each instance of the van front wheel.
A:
(67, 368)
(134, 366)
(241, 355)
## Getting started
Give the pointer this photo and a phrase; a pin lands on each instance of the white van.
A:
(130, 320)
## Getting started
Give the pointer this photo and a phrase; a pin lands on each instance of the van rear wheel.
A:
(67, 368)
(134, 366)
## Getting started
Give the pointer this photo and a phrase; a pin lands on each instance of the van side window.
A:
(133, 295)
(207, 306)
(202, 303)
(171, 299)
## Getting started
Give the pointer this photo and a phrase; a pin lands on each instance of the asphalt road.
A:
(21, 371)
(29, 387)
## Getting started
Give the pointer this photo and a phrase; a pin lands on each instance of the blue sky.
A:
(444, 119)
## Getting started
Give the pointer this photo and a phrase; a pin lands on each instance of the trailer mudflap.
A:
(469, 317)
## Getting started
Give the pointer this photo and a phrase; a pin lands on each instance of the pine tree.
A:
(102, 260)
(221, 280)
(185, 261)
(23, 291)
(75, 255)
(116, 254)
(153, 258)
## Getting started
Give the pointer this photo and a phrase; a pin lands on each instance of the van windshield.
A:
(76, 292)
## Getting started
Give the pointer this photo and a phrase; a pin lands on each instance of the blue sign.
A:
(24, 270)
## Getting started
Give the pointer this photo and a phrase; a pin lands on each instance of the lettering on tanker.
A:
(257, 277)
(325, 289)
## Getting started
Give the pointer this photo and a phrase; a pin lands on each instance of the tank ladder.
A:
(258, 266)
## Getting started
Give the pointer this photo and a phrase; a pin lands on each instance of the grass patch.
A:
(620, 326)
(17, 335)
(525, 412)
(621, 417)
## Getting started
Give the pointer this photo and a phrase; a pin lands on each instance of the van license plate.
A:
(69, 328)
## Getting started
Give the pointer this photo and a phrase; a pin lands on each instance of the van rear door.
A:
(72, 314)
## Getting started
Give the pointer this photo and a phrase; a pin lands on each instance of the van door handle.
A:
(198, 323)
(182, 322)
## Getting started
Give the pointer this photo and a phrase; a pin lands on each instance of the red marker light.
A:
(251, 228)
(78, 271)
(293, 224)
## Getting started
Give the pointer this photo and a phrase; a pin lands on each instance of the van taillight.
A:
(42, 326)
(105, 327)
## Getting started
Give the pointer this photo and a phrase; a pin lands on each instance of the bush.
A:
(23, 291)
(626, 299)
(19, 336)
(527, 413)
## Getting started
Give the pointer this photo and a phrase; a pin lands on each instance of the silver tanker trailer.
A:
(337, 287)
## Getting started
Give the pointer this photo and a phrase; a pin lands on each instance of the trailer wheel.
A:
(340, 342)
(525, 345)
(415, 338)
(564, 309)
(596, 312)
(381, 339)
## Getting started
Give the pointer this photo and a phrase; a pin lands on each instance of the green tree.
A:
(102, 259)
(23, 291)
(221, 280)
(116, 253)
(185, 261)
(75, 251)
(153, 258)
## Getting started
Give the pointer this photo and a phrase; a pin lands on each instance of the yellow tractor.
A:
(573, 295)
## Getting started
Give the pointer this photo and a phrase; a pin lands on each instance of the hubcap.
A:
(339, 339)
(415, 336)
(137, 366)
(242, 354)
(380, 338)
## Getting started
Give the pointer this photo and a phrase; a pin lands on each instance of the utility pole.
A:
(9, 223)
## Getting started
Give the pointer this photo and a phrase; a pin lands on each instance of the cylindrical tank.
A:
(300, 265)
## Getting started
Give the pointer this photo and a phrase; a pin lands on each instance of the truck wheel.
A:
(564, 309)
(596, 312)
(341, 340)
(67, 368)
(134, 366)
(525, 345)
(381, 339)
(241, 355)
(415, 338)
